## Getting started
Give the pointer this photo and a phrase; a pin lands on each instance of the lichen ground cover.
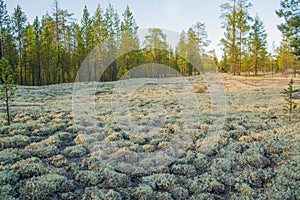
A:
(50, 153)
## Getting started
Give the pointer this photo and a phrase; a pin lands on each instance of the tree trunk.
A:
(233, 58)
(21, 66)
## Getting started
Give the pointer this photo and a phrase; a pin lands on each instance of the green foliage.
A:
(290, 103)
(7, 90)
(289, 10)
(258, 44)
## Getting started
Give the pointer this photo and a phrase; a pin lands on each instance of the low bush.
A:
(76, 151)
(34, 167)
(45, 186)
(101, 194)
(15, 141)
(89, 178)
(46, 148)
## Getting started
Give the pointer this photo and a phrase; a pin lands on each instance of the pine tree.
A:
(4, 21)
(61, 21)
(19, 24)
(201, 36)
(37, 47)
(181, 55)
(285, 58)
(290, 10)
(155, 44)
(290, 103)
(99, 35)
(29, 56)
(243, 27)
(86, 31)
(47, 48)
(129, 44)
(192, 51)
(229, 16)
(258, 43)
(112, 22)
(7, 76)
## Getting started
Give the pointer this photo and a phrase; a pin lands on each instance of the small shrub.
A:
(7, 192)
(45, 186)
(89, 178)
(8, 177)
(245, 189)
(45, 148)
(179, 193)
(114, 180)
(142, 192)
(101, 194)
(33, 167)
(76, 151)
(15, 141)
(164, 181)
(186, 170)
(163, 196)
(59, 161)
(9, 156)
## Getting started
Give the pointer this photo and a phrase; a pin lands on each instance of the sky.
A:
(173, 15)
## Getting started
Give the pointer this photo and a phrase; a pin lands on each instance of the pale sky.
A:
(174, 15)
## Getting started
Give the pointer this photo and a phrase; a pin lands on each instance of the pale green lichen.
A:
(45, 186)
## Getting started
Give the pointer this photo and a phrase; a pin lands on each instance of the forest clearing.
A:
(44, 154)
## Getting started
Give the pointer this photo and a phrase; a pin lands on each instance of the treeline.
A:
(245, 46)
(51, 50)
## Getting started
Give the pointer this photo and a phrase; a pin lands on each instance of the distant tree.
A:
(28, 56)
(258, 44)
(181, 55)
(201, 36)
(285, 58)
(129, 43)
(7, 76)
(243, 27)
(47, 48)
(193, 51)
(156, 44)
(37, 45)
(290, 103)
(236, 18)
(112, 22)
(290, 11)
(19, 26)
(229, 16)
(99, 34)
(61, 21)
(4, 21)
